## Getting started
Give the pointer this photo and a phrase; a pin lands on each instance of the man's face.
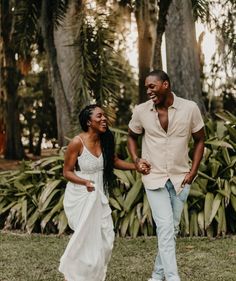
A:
(156, 89)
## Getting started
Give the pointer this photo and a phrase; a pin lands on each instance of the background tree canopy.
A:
(83, 43)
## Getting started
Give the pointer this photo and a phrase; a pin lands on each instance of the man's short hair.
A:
(160, 74)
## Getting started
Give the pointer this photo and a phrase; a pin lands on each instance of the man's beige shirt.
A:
(167, 152)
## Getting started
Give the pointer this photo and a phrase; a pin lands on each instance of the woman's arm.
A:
(73, 151)
(123, 165)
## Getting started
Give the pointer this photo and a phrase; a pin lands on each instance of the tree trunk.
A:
(146, 18)
(182, 55)
(161, 24)
(61, 58)
(31, 138)
(14, 148)
(10, 81)
(68, 49)
(37, 150)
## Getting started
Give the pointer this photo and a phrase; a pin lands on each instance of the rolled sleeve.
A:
(197, 121)
(135, 124)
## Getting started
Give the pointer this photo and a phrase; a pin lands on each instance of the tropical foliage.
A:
(32, 197)
(102, 63)
(211, 208)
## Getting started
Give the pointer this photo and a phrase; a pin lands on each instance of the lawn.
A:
(35, 258)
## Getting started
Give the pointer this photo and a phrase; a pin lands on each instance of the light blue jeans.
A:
(166, 209)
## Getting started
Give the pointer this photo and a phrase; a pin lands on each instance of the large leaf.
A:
(49, 187)
(62, 222)
(208, 208)
(132, 194)
(215, 206)
(122, 177)
(219, 143)
(57, 208)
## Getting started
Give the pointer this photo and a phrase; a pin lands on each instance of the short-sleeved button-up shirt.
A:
(167, 152)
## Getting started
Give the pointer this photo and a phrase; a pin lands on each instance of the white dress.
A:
(89, 215)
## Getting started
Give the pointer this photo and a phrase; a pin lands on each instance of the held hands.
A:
(90, 186)
(142, 166)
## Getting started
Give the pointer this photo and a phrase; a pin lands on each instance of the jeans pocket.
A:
(183, 195)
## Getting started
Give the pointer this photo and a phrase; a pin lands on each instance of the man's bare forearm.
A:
(133, 145)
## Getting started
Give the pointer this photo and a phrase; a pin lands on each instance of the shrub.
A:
(31, 198)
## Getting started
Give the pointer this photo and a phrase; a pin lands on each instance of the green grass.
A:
(36, 258)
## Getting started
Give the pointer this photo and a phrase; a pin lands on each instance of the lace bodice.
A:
(89, 163)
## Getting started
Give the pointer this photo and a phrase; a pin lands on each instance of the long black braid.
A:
(107, 145)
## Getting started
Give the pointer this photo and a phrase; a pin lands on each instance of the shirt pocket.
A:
(182, 129)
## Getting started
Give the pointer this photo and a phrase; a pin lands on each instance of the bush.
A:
(32, 198)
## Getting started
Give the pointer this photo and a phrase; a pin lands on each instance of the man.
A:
(166, 123)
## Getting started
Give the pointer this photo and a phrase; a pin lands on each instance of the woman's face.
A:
(98, 120)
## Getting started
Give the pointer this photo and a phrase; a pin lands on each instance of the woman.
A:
(86, 206)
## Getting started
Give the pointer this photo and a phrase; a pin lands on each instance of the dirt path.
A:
(6, 165)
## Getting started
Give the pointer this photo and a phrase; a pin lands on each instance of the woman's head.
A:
(92, 116)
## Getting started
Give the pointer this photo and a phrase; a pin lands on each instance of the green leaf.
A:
(50, 186)
(208, 208)
(32, 220)
(114, 203)
(43, 205)
(219, 143)
(57, 208)
(132, 194)
(125, 224)
(136, 226)
(233, 201)
(215, 206)
(62, 222)
(122, 177)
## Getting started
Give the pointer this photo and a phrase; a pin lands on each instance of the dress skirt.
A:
(89, 249)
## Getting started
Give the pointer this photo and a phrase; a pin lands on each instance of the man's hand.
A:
(189, 178)
(142, 166)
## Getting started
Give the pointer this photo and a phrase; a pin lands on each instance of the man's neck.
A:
(167, 103)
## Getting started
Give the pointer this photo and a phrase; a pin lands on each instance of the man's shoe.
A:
(152, 279)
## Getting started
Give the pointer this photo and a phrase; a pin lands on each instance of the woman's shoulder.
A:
(76, 143)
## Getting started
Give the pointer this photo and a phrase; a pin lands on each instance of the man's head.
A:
(157, 84)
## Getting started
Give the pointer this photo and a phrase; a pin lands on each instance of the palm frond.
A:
(201, 10)
(59, 8)
(26, 28)
(101, 64)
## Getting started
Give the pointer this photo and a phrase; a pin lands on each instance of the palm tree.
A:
(79, 44)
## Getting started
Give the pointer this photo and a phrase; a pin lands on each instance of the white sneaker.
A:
(152, 279)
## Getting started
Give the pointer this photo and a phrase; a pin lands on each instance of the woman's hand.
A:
(142, 166)
(90, 186)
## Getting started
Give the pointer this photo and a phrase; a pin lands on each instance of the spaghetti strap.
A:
(81, 140)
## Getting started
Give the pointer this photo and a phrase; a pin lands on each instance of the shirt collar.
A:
(174, 105)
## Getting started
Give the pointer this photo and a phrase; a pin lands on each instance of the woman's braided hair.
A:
(107, 145)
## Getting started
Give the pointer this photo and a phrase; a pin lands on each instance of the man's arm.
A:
(142, 165)
(198, 138)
